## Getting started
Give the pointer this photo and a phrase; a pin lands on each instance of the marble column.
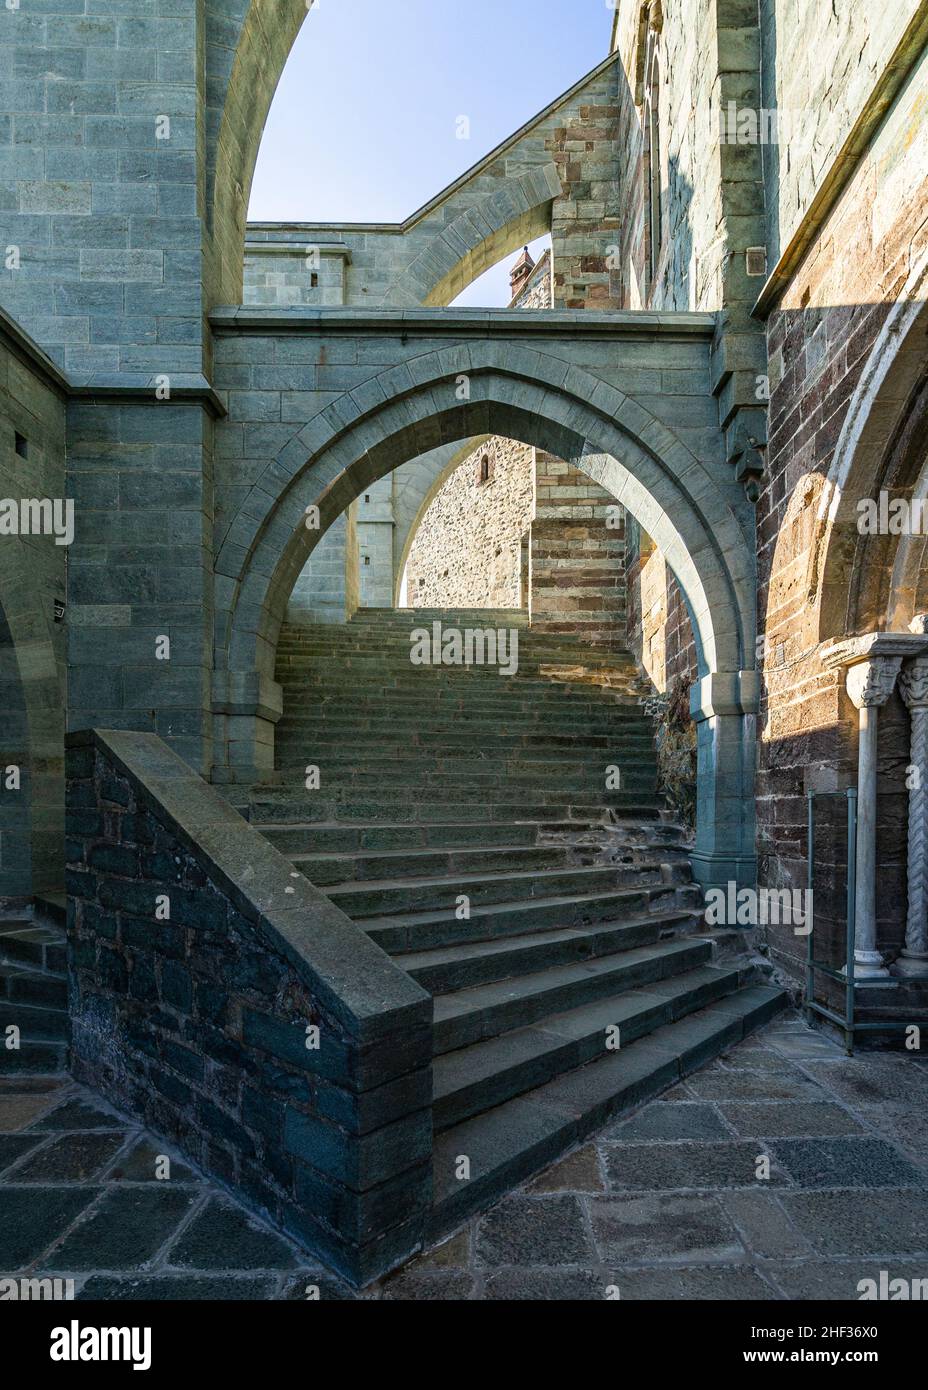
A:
(913, 685)
(869, 684)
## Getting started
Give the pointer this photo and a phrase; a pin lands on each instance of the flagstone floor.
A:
(671, 1203)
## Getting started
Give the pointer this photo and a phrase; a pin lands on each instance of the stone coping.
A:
(238, 318)
(351, 975)
(853, 650)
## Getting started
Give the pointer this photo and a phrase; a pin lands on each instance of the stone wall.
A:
(102, 168)
(32, 632)
(660, 635)
(141, 472)
(227, 1004)
(822, 59)
(286, 276)
(327, 590)
(820, 335)
(467, 550)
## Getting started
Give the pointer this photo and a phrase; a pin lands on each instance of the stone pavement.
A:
(664, 1204)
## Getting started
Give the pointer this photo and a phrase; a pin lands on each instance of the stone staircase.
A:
(34, 994)
(463, 820)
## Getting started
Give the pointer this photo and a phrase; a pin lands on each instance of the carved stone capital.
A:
(871, 682)
(913, 683)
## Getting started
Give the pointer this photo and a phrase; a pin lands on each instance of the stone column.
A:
(724, 708)
(869, 684)
(913, 684)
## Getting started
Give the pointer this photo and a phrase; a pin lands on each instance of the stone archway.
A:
(682, 502)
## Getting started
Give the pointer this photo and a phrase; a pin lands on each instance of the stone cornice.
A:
(458, 323)
(17, 341)
(298, 247)
(130, 389)
(853, 650)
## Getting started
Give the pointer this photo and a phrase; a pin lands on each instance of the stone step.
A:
(385, 897)
(487, 1074)
(354, 802)
(329, 869)
(35, 1059)
(511, 1142)
(482, 1011)
(479, 682)
(535, 651)
(468, 964)
(412, 741)
(404, 760)
(36, 1022)
(463, 735)
(343, 782)
(422, 931)
(614, 710)
(547, 673)
(348, 839)
(383, 790)
(26, 942)
(25, 986)
(372, 810)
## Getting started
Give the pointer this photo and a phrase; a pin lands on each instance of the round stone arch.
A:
(872, 582)
(679, 500)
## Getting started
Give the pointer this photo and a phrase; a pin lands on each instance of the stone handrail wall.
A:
(201, 965)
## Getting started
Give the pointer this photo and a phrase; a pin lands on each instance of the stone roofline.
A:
(541, 265)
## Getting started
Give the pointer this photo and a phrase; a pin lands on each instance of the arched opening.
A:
(691, 521)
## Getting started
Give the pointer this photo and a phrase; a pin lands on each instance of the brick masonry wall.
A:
(197, 1021)
(585, 219)
(577, 556)
(818, 341)
(659, 630)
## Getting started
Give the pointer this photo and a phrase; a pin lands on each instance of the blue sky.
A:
(363, 125)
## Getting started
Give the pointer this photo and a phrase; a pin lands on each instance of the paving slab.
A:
(547, 1230)
(85, 1193)
(854, 1162)
(789, 1117)
(656, 1228)
(676, 1120)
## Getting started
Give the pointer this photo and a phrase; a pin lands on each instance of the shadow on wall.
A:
(841, 552)
(15, 818)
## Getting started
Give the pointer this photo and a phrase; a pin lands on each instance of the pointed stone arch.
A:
(687, 504)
